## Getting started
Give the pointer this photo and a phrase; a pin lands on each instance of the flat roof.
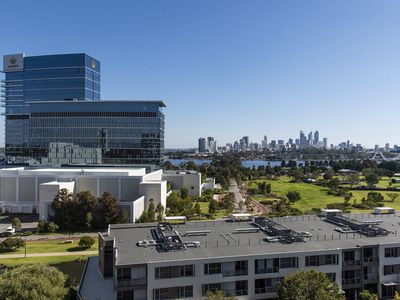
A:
(161, 103)
(75, 171)
(224, 240)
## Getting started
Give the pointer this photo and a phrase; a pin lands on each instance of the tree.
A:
(293, 196)
(297, 174)
(12, 244)
(397, 296)
(107, 211)
(372, 179)
(86, 202)
(197, 209)
(143, 217)
(264, 188)
(213, 206)
(353, 178)
(151, 212)
(16, 223)
(51, 227)
(31, 282)
(160, 212)
(41, 227)
(122, 217)
(89, 220)
(217, 295)
(328, 175)
(86, 242)
(65, 210)
(308, 285)
(333, 184)
(184, 193)
(367, 295)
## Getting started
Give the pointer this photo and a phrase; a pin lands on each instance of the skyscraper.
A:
(303, 140)
(310, 139)
(316, 137)
(325, 140)
(202, 145)
(43, 78)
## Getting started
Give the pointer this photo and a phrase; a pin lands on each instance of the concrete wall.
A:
(47, 191)
(191, 181)
(156, 190)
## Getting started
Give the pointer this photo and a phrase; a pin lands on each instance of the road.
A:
(5, 256)
(233, 188)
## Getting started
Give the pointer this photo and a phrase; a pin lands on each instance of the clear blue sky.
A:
(233, 68)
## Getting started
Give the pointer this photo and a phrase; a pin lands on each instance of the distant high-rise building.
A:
(303, 140)
(325, 140)
(202, 145)
(211, 144)
(387, 147)
(316, 137)
(310, 139)
(246, 141)
(264, 142)
(290, 142)
(273, 144)
(297, 142)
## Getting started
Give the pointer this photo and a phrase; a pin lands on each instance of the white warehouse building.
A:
(30, 190)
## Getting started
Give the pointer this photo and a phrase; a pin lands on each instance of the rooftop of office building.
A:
(232, 239)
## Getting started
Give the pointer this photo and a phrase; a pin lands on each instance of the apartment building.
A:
(246, 260)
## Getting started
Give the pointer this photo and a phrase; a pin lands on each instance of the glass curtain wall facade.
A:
(43, 78)
(126, 132)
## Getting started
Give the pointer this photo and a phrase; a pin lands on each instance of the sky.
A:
(231, 68)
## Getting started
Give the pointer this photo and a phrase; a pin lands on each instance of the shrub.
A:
(86, 242)
(52, 227)
(11, 244)
(16, 222)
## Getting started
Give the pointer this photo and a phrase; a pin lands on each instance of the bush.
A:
(16, 222)
(11, 244)
(41, 227)
(86, 242)
(52, 227)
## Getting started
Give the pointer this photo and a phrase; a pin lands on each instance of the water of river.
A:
(245, 163)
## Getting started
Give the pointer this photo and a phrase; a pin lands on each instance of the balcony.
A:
(267, 289)
(131, 282)
(351, 263)
(234, 273)
(351, 281)
(233, 293)
(371, 259)
(370, 276)
(267, 270)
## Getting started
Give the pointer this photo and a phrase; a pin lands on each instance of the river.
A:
(245, 163)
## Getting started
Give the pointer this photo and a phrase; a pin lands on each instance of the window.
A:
(392, 252)
(173, 293)
(211, 287)
(123, 274)
(125, 295)
(241, 267)
(312, 261)
(266, 285)
(331, 276)
(288, 262)
(391, 269)
(330, 259)
(174, 272)
(212, 268)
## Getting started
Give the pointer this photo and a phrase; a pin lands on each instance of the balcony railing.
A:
(232, 293)
(131, 282)
(371, 259)
(351, 263)
(371, 276)
(267, 270)
(267, 289)
(351, 281)
(234, 273)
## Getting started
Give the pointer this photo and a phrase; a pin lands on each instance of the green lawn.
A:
(49, 246)
(384, 182)
(204, 209)
(312, 196)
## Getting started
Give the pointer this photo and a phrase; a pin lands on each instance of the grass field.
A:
(204, 209)
(312, 196)
(49, 246)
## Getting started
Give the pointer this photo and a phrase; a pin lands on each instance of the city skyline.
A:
(268, 67)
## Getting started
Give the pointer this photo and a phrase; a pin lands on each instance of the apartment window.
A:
(174, 272)
(392, 252)
(123, 274)
(173, 293)
(241, 267)
(211, 287)
(331, 259)
(241, 287)
(312, 261)
(125, 295)
(266, 285)
(288, 262)
(212, 268)
(391, 269)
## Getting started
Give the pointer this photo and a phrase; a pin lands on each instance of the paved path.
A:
(233, 188)
(19, 255)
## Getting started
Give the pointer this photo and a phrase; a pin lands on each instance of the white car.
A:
(10, 229)
(272, 239)
(306, 234)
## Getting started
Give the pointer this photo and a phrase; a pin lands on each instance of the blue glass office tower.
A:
(54, 115)
(43, 78)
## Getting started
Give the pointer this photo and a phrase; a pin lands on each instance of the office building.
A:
(316, 137)
(202, 145)
(303, 140)
(310, 141)
(325, 141)
(43, 78)
(54, 116)
(244, 260)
